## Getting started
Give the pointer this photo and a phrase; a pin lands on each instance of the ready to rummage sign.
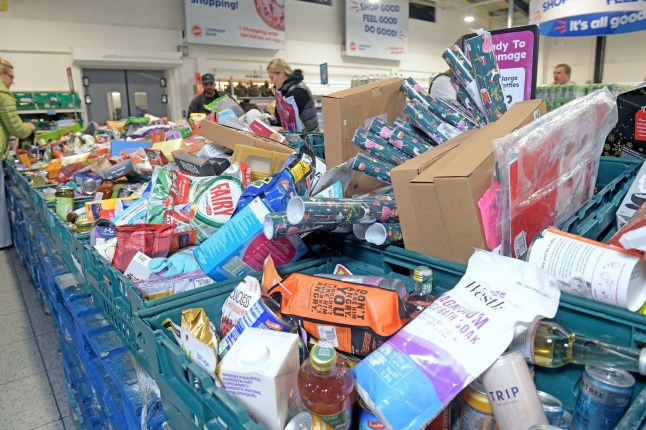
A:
(244, 23)
(376, 30)
(568, 18)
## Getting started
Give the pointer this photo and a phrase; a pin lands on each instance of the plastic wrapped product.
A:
(469, 104)
(463, 71)
(378, 147)
(384, 234)
(314, 210)
(430, 124)
(399, 122)
(373, 167)
(402, 139)
(547, 169)
(487, 74)
(277, 225)
(379, 127)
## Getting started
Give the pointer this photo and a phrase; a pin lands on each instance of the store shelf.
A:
(48, 111)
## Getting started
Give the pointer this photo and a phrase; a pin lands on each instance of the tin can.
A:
(512, 393)
(90, 186)
(367, 419)
(604, 397)
(566, 421)
(476, 412)
(552, 407)
(307, 421)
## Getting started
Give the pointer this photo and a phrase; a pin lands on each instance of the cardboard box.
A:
(201, 166)
(446, 219)
(417, 231)
(628, 137)
(229, 138)
(346, 110)
(263, 163)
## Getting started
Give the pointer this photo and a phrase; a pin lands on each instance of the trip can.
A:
(552, 407)
(604, 397)
(475, 411)
(512, 393)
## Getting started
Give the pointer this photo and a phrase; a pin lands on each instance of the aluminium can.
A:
(552, 407)
(475, 411)
(604, 396)
(307, 421)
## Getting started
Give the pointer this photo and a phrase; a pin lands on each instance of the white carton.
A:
(138, 270)
(261, 371)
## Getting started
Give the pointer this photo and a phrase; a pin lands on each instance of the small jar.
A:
(83, 225)
(64, 200)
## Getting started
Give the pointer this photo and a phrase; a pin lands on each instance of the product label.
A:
(196, 350)
(524, 342)
(340, 420)
(640, 125)
(64, 205)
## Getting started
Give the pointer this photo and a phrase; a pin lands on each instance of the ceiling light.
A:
(469, 18)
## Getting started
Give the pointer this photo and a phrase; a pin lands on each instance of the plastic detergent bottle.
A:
(326, 387)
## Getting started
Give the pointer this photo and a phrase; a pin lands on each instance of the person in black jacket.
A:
(290, 83)
(208, 95)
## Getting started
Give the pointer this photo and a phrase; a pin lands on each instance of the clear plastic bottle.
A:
(326, 387)
(549, 344)
(421, 297)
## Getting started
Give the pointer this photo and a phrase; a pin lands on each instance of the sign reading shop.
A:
(568, 18)
(376, 30)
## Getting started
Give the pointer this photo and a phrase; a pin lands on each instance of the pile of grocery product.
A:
(176, 211)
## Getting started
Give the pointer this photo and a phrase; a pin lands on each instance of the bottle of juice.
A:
(326, 387)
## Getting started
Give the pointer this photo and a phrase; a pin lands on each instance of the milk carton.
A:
(260, 371)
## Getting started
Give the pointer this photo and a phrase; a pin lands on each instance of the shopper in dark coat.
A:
(290, 83)
(208, 95)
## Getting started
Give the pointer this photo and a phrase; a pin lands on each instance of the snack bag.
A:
(150, 239)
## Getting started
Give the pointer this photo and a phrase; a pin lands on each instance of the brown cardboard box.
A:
(447, 217)
(229, 138)
(344, 111)
(263, 163)
(417, 231)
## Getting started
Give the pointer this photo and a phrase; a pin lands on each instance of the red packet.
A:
(158, 136)
(156, 157)
(154, 240)
(640, 124)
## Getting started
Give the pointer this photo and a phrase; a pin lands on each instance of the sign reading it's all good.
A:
(245, 23)
(567, 18)
(376, 30)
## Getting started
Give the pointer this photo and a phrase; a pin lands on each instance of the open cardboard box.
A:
(437, 193)
(229, 138)
(344, 111)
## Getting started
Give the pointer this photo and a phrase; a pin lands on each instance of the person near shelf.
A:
(441, 86)
(562, 74)
(10, 125)
(289, 82)
(209, 94)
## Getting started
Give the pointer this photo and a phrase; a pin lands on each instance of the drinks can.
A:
(442, 421)
(512, 393)
(604, 397)
(566, 421)
(476, 412)
(367, 419)
(307, 421)
(552, 407)
(544, 427)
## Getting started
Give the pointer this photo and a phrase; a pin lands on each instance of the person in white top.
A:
(441, 86)
(562, 74)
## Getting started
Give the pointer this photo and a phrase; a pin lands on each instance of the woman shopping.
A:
(10, 125)
(288, 82)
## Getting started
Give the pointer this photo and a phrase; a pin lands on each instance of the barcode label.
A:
(328, 334)
(202, 282)
(520, 245)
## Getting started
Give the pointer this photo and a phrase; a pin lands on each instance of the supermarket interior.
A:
(322, 214)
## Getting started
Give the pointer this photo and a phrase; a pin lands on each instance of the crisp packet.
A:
(197, 338)
(408, 380)
(158, 286)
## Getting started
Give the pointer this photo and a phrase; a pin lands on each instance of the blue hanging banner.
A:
(571, 18)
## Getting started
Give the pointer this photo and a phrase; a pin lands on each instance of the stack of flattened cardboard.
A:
(437, 192)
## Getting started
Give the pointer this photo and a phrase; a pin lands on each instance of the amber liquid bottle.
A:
(421, 297)
(326, 387)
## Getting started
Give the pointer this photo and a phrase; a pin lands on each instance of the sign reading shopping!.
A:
(376, 29)
(245, 23)
(568, 18)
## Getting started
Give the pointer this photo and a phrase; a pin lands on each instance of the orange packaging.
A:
(355, 318)
(24, 159)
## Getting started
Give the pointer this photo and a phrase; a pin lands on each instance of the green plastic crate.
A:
(47, 100)
(25, 101)
(596, 219)
(190, 398)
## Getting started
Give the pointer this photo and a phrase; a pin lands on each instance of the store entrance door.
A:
(117, 94)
